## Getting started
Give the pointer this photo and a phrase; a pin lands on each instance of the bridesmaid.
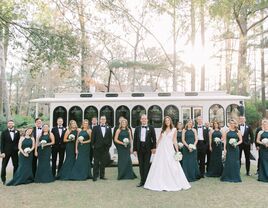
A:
(231, 170)
(81, 169)
(125, 170)
(179, 132)
(43, 152)
(263, 168)
(215, 166)
(189, 160)
(24, 173)
(69, 138)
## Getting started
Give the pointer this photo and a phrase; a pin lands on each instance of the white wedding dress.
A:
(166, 174)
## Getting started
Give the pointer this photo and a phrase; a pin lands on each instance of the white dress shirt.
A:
(12, 133)
(60, 130)
(143, 134)
(242, 129)
(38, 132)
(103, 130)
(200, 133)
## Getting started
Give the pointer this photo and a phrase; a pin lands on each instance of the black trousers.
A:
(15, 161)
(99, 162)
(144, 156)
(202, 149)
(34, 164)
(208, 157)
(246, 149)
(57, 150)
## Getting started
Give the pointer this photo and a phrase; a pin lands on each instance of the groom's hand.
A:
(153, 151)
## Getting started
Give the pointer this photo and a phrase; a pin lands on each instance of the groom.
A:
(144, 145)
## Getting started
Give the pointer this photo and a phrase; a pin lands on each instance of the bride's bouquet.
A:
(265, 141)
(42, 143)
(180, 144)
(126, 142)
(192, 146)
(217, 140)
(233, 142)
(71, 137)
(178, 156)
(81, 139)
(27, 150)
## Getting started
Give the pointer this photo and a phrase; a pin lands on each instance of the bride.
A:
(166, 174)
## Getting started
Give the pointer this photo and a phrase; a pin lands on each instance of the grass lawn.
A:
(208, 192)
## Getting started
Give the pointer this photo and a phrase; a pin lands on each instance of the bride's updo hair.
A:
(164, 126)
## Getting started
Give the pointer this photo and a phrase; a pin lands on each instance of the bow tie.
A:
(199, 126)
(144, 126)
(102, 125)
(11, 130)
(39, 128)
(60, 127)
(242, 124)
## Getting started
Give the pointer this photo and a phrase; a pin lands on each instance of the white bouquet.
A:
(71, 137)
(192, 146)
(180, 144)
(81, 139)
(264, 141)
(178, 156)
(126, 142)
(217, 140)
(42, 143)
(27, 150)
(233, 142)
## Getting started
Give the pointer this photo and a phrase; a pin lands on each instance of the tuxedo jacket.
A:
(150, 138)
(58, 138)
(256, 135)
(205, 133)
(248, 137)
(100, 141)
(7, 145)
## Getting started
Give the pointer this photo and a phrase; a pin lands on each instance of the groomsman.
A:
(202, 145)
(94, 122)
(248, 139)
(144, 145)
(258, 129)
(37, 132)
(58, 149)
(9, 148)
(101, 141)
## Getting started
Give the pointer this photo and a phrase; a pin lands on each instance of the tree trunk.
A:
(228, 61)
(263, 101)
(83, 49)
(175, 75)
(202, 18)
(193, 43)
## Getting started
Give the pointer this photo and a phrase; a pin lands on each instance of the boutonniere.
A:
(246, 127)
(16, 131)
(147, 128)
(205, 127)
(107, 127)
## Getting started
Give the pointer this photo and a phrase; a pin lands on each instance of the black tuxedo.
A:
(58, 149)
(143, 149)
(248, 139)
(203, 150)
(101, 145)
(10, 148)
(34, 162)
(91, 149)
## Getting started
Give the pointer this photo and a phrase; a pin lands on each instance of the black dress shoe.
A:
(94, 179)
(103, 178)
(4, 183)
(248, 174)
(140, 185)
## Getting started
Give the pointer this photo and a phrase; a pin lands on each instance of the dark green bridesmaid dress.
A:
(179, 136)
(215, 166)
(263, 170)
(66, 169)
(24, 173)
(44, 171)
(189, 160)
(81, 169)
(125, 170)
(231, 170)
